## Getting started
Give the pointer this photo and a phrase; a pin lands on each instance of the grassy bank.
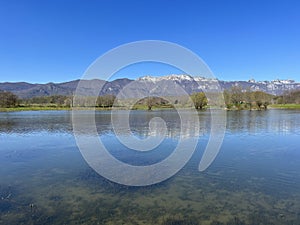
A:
(48, 108)
(284, 106)
(136, 107)
(53, 107)
(33, 108)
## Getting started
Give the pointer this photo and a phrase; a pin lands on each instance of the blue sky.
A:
(56, 40)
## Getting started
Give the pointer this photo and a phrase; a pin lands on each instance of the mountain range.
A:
(169, 83)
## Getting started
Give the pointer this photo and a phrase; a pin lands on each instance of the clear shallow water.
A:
(255, 179)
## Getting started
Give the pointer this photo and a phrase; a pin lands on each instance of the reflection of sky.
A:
(128, 155)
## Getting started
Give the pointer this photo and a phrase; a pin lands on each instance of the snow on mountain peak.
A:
(167, 77)
(173, 77)
(148, 78)
(283, 81)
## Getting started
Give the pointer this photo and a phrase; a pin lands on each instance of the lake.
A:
(255, 178)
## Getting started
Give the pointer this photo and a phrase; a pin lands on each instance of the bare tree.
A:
(8, 99)
(262, 99)
(237, 96)
(150, 102)
(106, 101)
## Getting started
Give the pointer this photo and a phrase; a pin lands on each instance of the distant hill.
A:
(169, 83)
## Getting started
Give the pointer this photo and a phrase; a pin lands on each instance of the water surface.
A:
(255, 179)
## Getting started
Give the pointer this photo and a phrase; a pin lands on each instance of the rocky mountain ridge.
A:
(188, 83)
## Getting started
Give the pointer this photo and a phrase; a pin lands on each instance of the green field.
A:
(285, 106)
(55, 107)
(136, 107)
(33, 108)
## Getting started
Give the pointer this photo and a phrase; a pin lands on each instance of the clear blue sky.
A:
(56, 40)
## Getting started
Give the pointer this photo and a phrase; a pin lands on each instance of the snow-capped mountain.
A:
(172, 77)
(197, 83)
(164, 85)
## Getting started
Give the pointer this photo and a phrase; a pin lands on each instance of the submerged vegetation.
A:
(90, 199)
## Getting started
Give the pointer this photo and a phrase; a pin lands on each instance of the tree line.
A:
(235, 98)
(289, 97)
(8, 99)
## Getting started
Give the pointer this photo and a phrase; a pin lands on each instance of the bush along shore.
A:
(234, 99)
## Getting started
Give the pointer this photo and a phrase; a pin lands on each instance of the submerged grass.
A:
(87, 198)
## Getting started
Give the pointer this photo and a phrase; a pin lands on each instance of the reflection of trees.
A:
(27, 122)
(7, 125)
(60, 122)
(139, 124)
(254, 122)
(243, 122)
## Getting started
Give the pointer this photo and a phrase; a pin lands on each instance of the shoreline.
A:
(58, 108)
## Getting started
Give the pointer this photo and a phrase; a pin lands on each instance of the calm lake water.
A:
(255, 179)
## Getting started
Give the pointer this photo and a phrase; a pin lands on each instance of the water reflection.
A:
(35, 122)
(250, 122)
(254, 180)
(270, 121)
